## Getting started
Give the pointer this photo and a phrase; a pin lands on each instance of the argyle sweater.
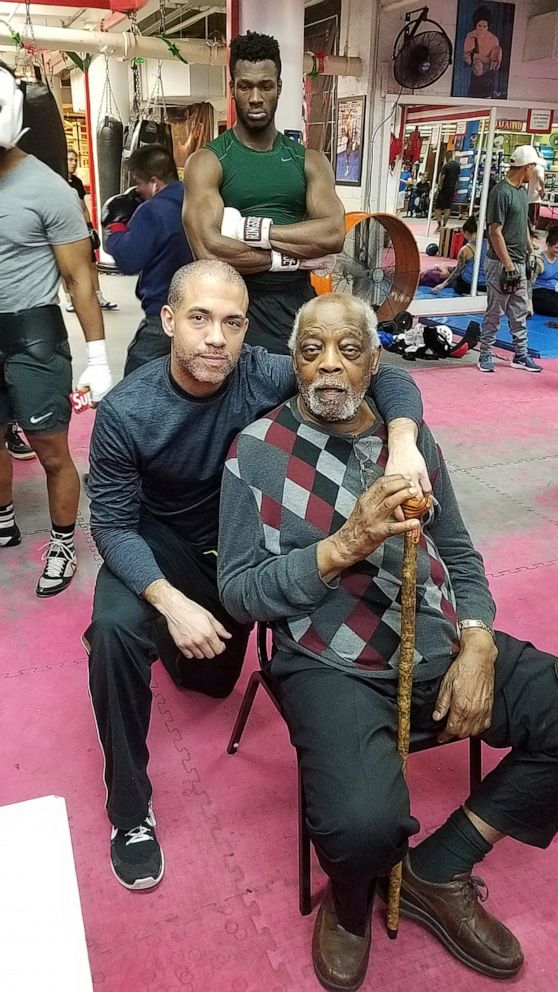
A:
(287, 485)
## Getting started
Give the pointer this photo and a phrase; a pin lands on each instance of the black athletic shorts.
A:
(35, 370)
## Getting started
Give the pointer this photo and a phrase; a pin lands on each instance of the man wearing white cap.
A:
(507, 263)
(536, 191)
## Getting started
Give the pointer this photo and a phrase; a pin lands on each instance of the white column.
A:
(484, 198)
(284, 19)
(434, 180)
(480, 139)
(55, 83)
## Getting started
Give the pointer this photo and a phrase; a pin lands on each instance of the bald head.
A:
(204, 269)
(336, 310)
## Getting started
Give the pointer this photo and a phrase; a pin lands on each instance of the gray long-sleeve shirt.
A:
(158, 452)
(287, 485)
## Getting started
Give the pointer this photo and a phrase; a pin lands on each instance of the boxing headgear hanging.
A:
(11, 109)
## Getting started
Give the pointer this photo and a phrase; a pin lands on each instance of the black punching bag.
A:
(110, 140)
(125, 181)
(147, 133)
(165, 136)
(46, 138)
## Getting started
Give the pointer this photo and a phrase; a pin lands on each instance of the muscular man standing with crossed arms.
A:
(261, 201)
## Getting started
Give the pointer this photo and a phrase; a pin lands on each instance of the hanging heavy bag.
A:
(110, 140)
(165, 136)
(45, 138)
(146, 133)
(125, 180)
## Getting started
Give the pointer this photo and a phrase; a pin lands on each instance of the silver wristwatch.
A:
(466, 624)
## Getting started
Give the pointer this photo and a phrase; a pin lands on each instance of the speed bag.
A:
(110, 139)
(45, 139)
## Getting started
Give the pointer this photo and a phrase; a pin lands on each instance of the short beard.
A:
(337, 410)
(191, 364)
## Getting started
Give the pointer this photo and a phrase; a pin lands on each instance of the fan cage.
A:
(422, 59)
(379, 263)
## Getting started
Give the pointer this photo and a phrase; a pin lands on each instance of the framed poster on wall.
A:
(349, 136)
(483, 43)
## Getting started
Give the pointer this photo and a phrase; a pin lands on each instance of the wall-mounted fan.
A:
(379, 262)
(422, 51)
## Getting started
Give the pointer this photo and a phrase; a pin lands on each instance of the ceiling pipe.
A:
(127, 45)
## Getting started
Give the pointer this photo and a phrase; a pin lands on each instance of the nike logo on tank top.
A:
(263, 184)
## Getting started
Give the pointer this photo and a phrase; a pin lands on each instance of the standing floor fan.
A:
(379, 263)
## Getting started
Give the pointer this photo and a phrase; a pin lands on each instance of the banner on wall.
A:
(192, 128)
(349, 137)
(483, 43)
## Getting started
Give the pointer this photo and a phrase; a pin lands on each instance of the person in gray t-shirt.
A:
(43, 236)
(506, 262)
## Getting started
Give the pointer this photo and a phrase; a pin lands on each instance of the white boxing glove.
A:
(253, 231)
(283, 263)
(97, 376)
(322, 266)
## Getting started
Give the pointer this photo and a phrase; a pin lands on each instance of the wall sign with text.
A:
(539, 121)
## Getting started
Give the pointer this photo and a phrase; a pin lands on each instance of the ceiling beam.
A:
(89, 4)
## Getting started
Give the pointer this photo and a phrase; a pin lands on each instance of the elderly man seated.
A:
(309, 541)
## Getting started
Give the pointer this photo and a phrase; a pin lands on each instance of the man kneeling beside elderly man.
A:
(309, 542)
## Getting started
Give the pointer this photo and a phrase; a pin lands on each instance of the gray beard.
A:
(337, 410)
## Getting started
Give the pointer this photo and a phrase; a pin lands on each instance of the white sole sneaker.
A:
(142, 883)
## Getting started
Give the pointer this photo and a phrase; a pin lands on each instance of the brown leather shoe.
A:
(453, 912)
(340, 957)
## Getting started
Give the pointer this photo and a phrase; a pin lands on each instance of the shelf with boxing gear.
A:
(76, 137)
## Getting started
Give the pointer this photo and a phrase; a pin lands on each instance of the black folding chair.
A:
(420, 741)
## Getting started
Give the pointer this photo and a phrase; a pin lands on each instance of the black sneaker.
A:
(10, 537)
(16, 445)
(136, 859)
(60, 566)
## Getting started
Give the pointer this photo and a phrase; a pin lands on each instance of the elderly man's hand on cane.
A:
(371, 522)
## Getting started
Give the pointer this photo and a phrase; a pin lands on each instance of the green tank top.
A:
(263, 184)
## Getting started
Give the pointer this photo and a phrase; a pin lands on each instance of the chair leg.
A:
(475, 763)
(304, 854)
(244, 712)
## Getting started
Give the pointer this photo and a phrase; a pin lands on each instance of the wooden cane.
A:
(411, 508)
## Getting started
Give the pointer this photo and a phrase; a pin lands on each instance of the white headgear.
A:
(11, 110)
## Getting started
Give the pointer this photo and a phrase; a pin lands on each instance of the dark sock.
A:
(454, 849)
(64, 533)
(8, 528)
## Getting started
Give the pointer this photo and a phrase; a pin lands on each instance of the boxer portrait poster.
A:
(349, 137)
(483, 42)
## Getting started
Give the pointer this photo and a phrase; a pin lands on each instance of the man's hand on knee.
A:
(466, 694)
(194, 630)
